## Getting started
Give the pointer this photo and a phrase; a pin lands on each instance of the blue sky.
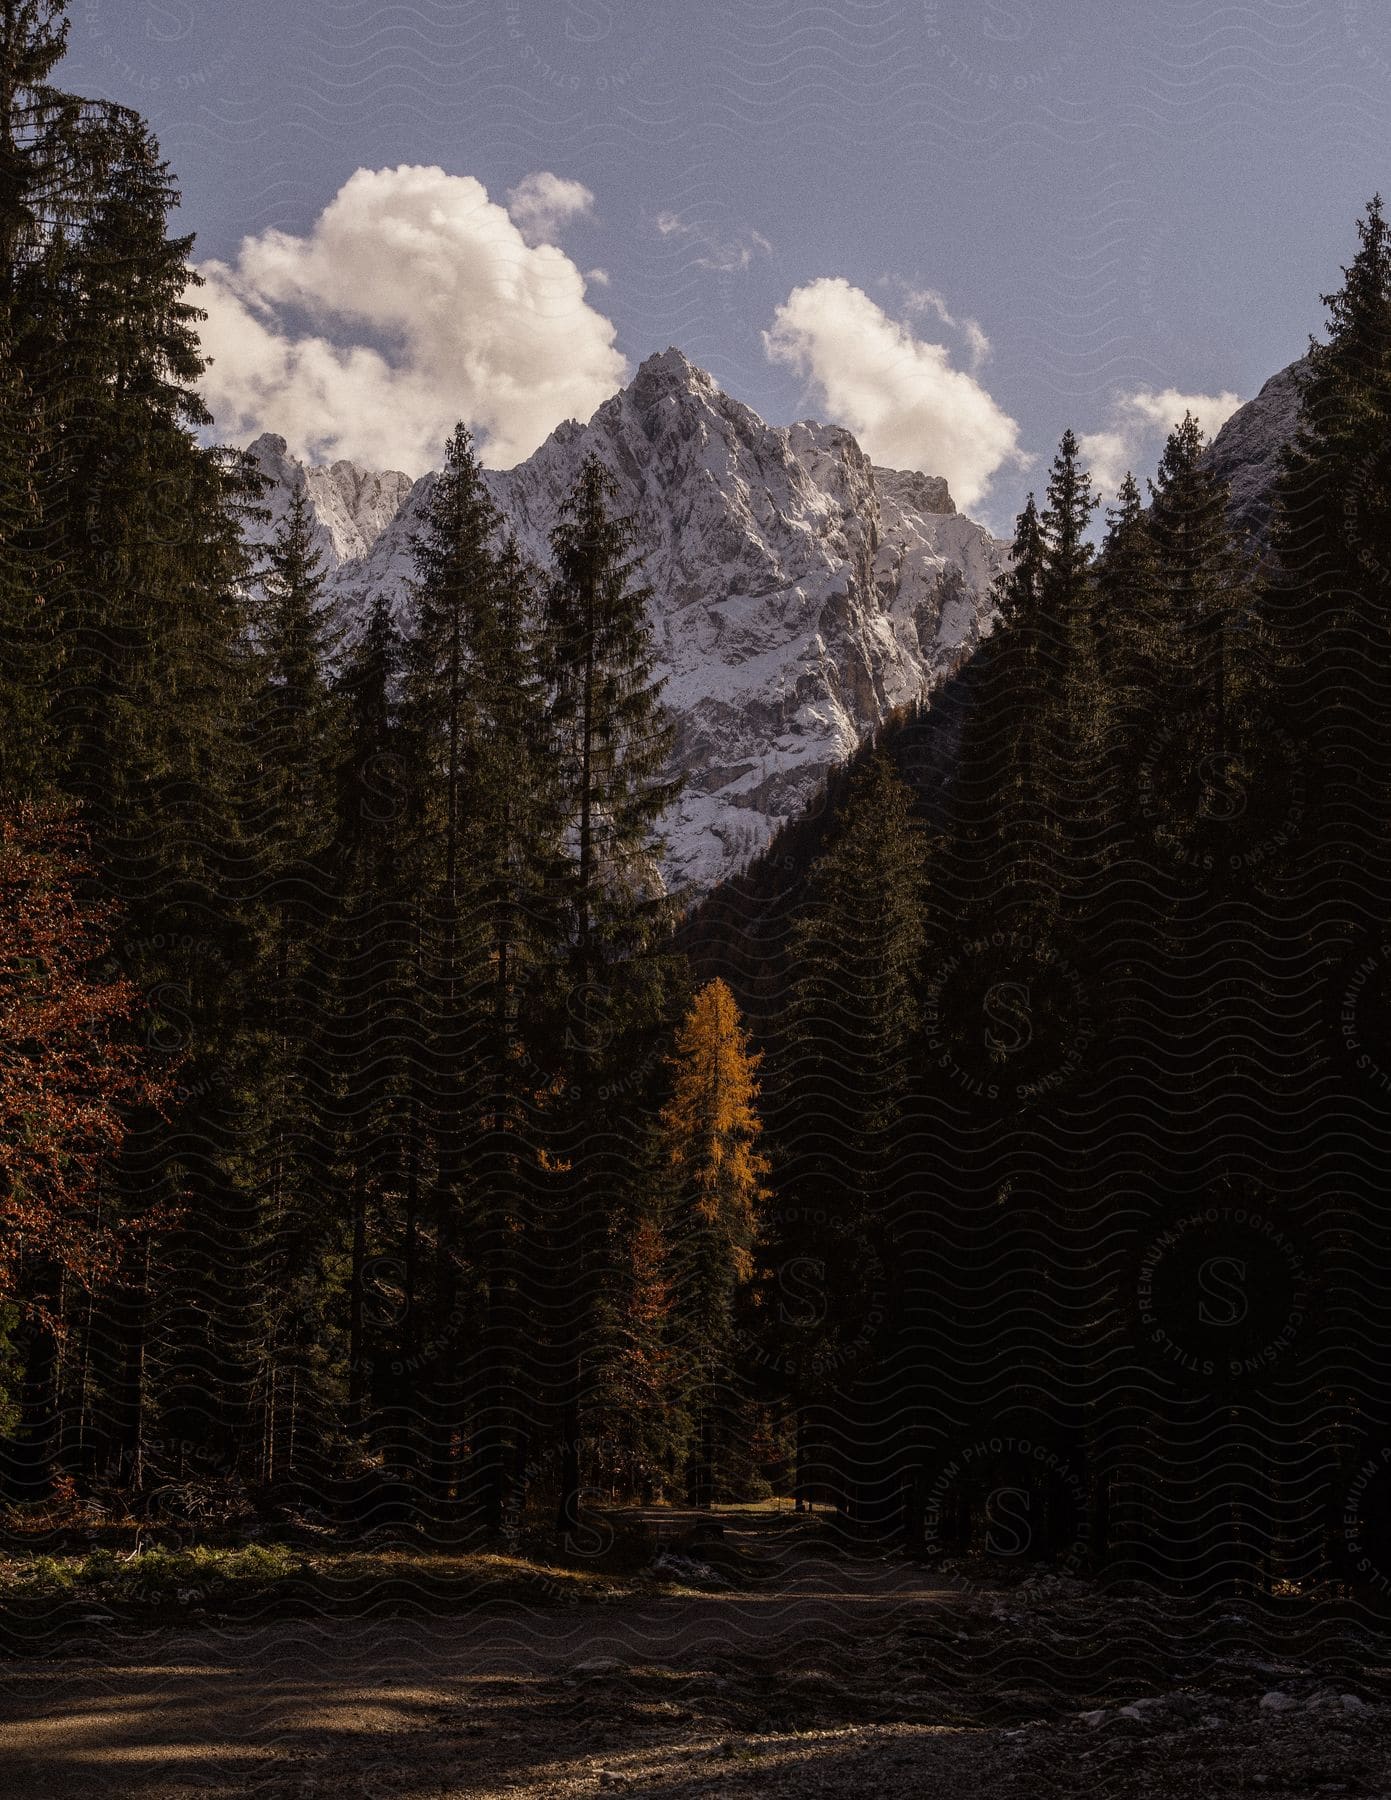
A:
(1076, 202)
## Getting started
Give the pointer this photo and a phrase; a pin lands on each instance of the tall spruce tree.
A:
(28, 646)
(1020, 803)
(1332, 537)
(131, 543)
(1124, 577)
(847, 1072)
(1066, 797)
(1330, 605)
(513, 839)
(32, 39)
(1201, 657)
(1019, 590)
(995, 816)
(1063, 531)
(855, 1001)
(371, 1035)
(457, 576)
(611, 739)
(33, 168)
(290, 827)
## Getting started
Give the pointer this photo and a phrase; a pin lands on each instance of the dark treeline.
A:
(383, 1158)
(1108, 1147)
(380, 1138)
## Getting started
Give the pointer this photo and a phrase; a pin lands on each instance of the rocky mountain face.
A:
(352, 506)
(1246, 451)
(800, 593)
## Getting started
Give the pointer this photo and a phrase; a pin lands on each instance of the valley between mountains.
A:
(801, 592)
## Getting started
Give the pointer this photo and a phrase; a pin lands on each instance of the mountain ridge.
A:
(801, 593)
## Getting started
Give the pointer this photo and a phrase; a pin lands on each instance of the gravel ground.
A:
(809, 1674)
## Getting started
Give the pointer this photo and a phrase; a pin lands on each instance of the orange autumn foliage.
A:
(711, 1125)
(70, 1073)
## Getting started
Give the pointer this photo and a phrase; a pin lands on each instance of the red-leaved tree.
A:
(71, 1068)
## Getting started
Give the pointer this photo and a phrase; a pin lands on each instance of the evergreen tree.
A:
(369, 787)
(32, 40)
(1124, 585)
(855, 1002)
(289, 829)
(609, 730)
(1124, 577)
(1062, 531)
(1019, 591)
(1066, 797)
(456, 573)
(457, 570)
(28, 647)
(1021, 804)
(1201, 652)
(370, 1037)
(294, 724)
(123, 581)
(847, 1073)
(1332, 536)
(51, 158)
(997, 820)
(610, 738)
(514, 853)
(1198, 568)
(1330, 606)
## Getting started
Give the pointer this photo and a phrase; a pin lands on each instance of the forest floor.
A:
(752, 1660)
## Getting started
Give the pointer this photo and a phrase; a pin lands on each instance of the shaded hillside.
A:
(1246, 451)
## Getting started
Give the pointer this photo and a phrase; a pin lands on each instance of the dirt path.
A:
(827, 1677)
(504, 1702)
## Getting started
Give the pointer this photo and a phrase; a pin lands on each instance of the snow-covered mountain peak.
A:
(352, 506)
(670, 370)
(799, 593)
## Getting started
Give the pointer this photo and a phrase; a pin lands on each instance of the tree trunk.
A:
(357, 1371)
(29, 1454)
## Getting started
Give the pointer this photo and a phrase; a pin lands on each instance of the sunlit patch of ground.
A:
(831, 1674)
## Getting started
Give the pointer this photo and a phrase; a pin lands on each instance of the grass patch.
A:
(46, 1598)
(153, 1575)
(50, 1595)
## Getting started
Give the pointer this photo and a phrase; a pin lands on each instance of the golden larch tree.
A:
(710, 1139)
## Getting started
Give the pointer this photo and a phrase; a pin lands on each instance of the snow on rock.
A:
(800, 594)
(352, 506)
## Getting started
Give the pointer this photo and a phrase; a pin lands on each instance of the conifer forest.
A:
(420, 1210)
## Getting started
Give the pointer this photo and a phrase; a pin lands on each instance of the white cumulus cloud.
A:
(1166, 409)
(900, 395)
(541, 203)
(412, 302)
(1140, 422)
